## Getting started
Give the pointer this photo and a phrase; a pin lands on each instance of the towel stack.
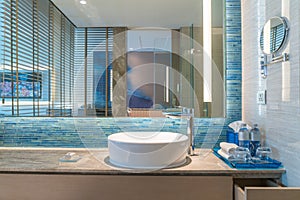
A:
(227, 149)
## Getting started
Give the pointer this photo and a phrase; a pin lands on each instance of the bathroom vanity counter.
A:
(96, 162)
(38, 173)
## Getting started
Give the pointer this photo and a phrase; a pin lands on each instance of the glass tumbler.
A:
(264, 153)
(242, 154)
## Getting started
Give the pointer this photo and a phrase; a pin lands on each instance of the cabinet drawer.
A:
(114, 187)
(269, 191)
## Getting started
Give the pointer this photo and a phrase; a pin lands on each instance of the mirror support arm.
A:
(264, 63)
(282, 58)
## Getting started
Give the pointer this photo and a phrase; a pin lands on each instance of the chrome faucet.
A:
(188, 114)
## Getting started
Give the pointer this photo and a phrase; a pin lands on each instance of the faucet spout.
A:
(189, 113)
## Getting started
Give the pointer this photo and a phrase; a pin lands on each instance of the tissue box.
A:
(232, 137)
(232, 131)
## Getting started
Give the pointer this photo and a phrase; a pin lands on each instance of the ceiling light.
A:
(83, 2)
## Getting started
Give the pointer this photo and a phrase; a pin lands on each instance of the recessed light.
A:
(83, 2)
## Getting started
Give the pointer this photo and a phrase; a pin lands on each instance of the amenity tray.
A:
(270, 163)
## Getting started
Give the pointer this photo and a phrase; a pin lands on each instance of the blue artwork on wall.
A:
(25, 85)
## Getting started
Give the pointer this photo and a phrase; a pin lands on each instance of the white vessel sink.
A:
(147, 150)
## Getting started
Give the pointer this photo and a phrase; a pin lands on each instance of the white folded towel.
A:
(224, 154)
(228, 148)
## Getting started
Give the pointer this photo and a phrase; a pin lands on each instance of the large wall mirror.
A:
(107, 72)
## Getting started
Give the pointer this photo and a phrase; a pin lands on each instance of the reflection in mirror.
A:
(273, 35)
(103, 72)
(169, 73)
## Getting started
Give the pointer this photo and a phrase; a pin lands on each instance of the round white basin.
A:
(147, 150)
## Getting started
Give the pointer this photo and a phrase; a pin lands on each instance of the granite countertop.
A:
(46, 161)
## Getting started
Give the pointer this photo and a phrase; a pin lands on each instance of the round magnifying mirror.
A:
(273, 35)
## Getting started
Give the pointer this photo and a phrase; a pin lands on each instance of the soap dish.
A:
(70, 157)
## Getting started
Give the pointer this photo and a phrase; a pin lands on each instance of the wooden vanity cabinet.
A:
(137, 187)
(114, 187)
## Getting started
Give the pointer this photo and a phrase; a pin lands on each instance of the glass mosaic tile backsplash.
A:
(93, 132)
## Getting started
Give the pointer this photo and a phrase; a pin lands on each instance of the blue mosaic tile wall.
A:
(93, 132)
(233, 60)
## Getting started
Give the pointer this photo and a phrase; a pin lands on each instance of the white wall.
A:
(280, 118)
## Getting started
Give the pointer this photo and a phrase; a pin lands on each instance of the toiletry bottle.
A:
(244, 137)
(254, 139)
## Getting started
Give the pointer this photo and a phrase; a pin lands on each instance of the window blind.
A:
(277, 35)
(37, 59)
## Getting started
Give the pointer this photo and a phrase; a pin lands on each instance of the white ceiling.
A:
(138, 13)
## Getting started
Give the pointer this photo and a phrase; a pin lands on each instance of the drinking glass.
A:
(242, 154)
(264, 153)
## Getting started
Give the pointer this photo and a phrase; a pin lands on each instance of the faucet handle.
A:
(189, 111)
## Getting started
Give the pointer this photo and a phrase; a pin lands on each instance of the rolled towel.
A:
(228, 148)
(224, 154)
